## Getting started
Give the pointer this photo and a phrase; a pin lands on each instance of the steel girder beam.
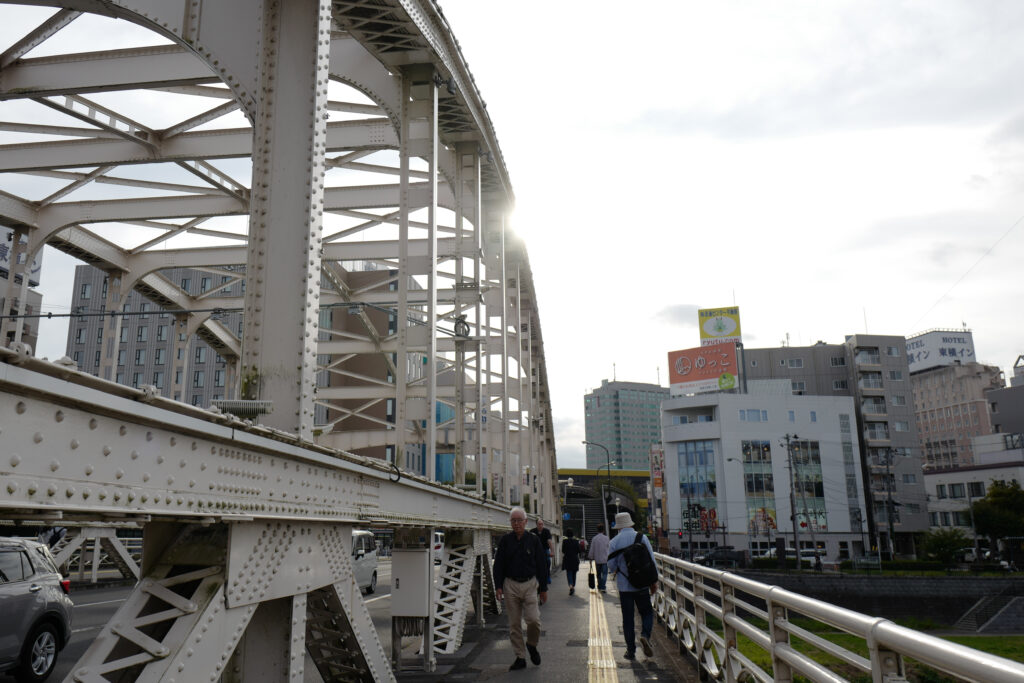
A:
(455, 586)
(104, 538)
(92, 449)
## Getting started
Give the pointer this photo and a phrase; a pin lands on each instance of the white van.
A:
(438, 547)
(364, 560)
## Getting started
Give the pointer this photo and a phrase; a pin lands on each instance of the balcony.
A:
(867, 358)
(876, 434)
(873, 408)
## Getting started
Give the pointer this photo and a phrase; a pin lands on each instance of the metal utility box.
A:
(410, 583)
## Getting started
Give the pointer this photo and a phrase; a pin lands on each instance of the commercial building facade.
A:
(731, 461)
(624, 417)
(874, 371)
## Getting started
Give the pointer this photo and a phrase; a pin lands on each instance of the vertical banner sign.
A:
(657, 487)
(702, 369)
(719, 326)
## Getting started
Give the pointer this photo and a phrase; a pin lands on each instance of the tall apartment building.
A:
(624, 417)
(874, 370)
(951, 408)
(146, 352)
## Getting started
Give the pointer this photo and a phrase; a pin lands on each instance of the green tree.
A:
(1001, 512)
(943, 544)
(623, 484)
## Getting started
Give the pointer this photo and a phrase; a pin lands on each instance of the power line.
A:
(968, 272)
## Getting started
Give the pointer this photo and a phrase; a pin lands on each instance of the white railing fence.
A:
(708, 610)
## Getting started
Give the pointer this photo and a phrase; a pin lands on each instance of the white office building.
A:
(728, 473)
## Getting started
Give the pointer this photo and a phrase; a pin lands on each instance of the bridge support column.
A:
(99, 537)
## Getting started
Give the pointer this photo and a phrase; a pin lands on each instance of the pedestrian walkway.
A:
(581, 640)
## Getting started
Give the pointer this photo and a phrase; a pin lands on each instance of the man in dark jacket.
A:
(521, 580)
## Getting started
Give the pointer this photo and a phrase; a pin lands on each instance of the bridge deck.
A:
(574, 633)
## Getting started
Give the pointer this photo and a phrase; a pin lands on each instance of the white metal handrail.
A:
(689, 594)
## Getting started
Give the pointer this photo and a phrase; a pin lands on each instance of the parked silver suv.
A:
(35, 610)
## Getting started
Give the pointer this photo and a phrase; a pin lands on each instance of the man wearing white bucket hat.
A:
(629, 594)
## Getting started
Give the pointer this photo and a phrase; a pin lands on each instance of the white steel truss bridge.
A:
(335, 162)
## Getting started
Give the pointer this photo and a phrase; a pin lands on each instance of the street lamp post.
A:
(792, 496)
(751, 534)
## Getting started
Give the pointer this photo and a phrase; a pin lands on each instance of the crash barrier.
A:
(721, 619)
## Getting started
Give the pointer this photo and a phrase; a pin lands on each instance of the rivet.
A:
(37, 437)
(15, 460)
(54, 465)
(59, 416)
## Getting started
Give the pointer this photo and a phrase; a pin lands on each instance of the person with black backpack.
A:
(631, 557)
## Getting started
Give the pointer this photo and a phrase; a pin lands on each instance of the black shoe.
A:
(534, 655)
(572, 590)
(630, 655)
(645, 643)
(520, 663)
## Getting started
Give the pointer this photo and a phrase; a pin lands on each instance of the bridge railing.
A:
(708, 610)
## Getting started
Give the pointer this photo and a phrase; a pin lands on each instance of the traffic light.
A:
(680, 534)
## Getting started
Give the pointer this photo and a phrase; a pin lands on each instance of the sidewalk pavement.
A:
(581, 640)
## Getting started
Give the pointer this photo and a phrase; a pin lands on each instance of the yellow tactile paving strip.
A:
(601, 665)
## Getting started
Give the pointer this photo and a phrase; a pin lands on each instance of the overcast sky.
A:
(830, 167)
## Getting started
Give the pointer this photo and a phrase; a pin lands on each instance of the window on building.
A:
(901, 426)
(177, 378)
(159, 356)
(99, 333)
(957, 491)
(792, 416)
(838, 361)
(204, 285)
(122, 356)
(86, 291)
(140, 356)
(200, 354)
(158, 379)
(144, 307)
(976, 489)
(77, 357)
(892, 351)
(161, 332)
(96, 363)
(814, 416)
(899, 400)
(124, 334)
(80, 335)
(796, 362)
(753, 415)
(896, 375)
(909, 478)
(799, 387)
(136, 379)
(186, 284)
(198, 379)
(218, 378)
(197, 399)
(142, 334)
(839, 385)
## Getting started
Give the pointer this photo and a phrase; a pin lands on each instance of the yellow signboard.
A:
(719, 325)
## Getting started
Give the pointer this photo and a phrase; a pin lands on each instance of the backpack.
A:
(640, 568)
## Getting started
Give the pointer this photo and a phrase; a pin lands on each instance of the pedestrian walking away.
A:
(521, 578)
(599, 554)
(631, 596)
(571, 558)
(545, 538)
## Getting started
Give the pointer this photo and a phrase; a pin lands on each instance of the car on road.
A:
(723, 556)
(364, 560)
(35, 610)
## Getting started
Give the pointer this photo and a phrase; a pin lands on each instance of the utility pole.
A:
(888, 504)
(792, 496)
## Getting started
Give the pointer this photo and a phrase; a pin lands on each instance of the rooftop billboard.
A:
(939, 347)
(703, 369)
(719, 325)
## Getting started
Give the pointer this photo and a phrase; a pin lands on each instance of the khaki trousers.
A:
(521, 601)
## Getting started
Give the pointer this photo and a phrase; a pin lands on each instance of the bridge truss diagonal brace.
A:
(461, 585)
